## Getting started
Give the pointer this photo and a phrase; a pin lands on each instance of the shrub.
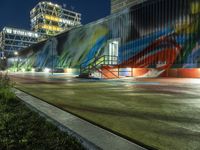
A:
(21, 128)
(5, 87)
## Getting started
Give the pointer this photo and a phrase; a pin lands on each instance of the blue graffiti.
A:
(93, 51)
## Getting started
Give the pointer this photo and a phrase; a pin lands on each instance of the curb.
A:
(87, 135)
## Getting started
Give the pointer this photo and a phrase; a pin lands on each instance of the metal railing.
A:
(97, 63)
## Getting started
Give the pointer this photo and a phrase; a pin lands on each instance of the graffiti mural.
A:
(159, 35)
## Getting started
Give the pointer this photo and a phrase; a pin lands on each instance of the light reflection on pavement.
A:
(160, 112)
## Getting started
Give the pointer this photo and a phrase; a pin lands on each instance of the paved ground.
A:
(100, 138)
(162, 113)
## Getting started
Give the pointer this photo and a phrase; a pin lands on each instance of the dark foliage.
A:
(23, 129)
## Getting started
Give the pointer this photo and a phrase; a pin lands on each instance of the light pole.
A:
(16, 55)
(3, 62)
(52, 51)
(52, 55)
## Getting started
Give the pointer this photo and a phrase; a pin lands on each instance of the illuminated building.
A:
(12, 39)
(118, 5)
(158, 38)
(50, 19)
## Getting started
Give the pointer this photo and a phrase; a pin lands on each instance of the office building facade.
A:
(13, 39)
(119, 5)
(50, 19)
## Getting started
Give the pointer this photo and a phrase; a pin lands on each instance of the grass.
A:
(21, 128)
(163, 117)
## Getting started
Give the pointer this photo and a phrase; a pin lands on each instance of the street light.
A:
(16, 55)
(52, 50)
(52, 55)
(3, 63)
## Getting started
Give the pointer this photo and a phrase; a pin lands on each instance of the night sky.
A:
(15, 13)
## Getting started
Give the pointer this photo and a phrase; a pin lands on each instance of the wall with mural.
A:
(159, 35)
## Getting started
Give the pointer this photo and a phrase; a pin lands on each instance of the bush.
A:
(5, 88)
(21, 128)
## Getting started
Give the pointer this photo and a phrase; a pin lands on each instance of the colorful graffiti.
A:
(159, 35)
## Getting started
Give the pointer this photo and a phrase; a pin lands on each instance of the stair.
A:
(103, 65)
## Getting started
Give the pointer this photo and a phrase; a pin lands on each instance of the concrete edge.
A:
(85, 142)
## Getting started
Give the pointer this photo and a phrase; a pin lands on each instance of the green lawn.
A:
(153, 115)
